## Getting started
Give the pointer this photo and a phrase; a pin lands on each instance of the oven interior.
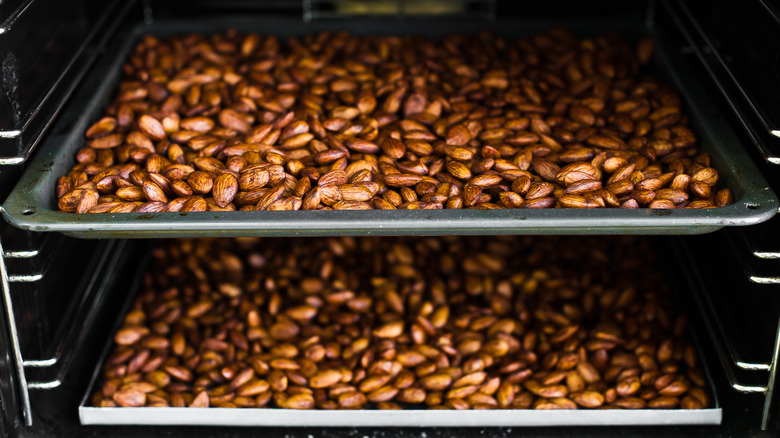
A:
(63, 295)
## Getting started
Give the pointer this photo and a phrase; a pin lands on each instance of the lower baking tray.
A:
(32, 204)
(91, 415)
(170, 416)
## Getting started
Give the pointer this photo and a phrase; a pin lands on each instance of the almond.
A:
(225, 189)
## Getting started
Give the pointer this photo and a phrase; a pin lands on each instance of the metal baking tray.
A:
(32, 203)
(91, 415)
(396, 418)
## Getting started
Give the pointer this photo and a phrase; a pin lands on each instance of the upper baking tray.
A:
(32, 203)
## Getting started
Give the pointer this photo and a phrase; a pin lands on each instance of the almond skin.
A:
(151, 127)
(225, 189)
(129, 398)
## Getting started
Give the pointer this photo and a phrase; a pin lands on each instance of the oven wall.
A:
(744, 32)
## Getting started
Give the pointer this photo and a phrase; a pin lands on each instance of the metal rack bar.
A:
(721, 80)
(752, 243)
(25, 278)
(771, 9)
(45, 248)
(17, 352)
(754, 249)
(742, 241)
(41, 363)
(44, 385)
(6, 25)
(43, 242)
(759, 279)
(22, 254)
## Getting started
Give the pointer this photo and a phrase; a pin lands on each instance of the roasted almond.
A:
(224, 189)
(151, 127)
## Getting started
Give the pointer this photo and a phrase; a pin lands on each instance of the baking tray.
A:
(396, 418)
(32, 203)
(91, 415)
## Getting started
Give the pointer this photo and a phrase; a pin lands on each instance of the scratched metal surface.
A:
(32, 204)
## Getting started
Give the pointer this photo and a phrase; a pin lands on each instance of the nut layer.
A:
(332, 121)
(388, 323)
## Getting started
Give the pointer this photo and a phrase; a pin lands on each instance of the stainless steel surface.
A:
(22, 254)
(760, 279)
(14, 335)
(44, 385)
(766, 254)
(24, 278)
(401, 418)
(32, 203)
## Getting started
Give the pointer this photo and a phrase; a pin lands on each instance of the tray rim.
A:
(399, 418)
(23, 207)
